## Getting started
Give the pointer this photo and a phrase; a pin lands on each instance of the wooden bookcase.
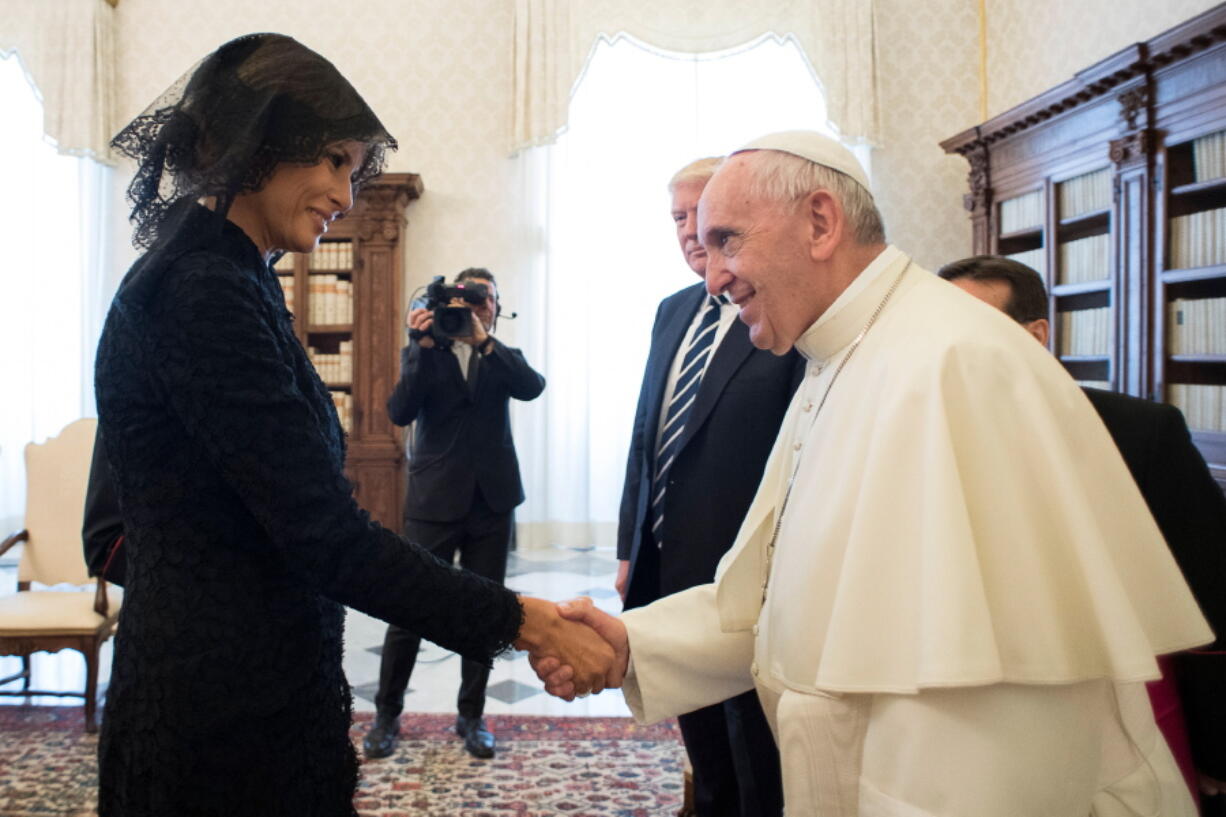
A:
(1119, 158)
(346, 297)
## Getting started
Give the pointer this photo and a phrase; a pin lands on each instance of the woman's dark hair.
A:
(255, 102)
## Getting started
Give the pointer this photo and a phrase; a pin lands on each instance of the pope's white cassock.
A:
(966, 591)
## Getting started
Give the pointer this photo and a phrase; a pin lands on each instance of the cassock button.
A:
(753, 668)
(795, 446)
(809, 406)
(755, 629)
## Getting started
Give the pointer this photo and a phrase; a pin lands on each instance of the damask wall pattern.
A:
(927, 67)
(1036, 44)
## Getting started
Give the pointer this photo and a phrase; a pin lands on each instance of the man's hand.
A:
(1211, 786)
(560, 679)
(478, 335)
(623, 578)
(588, 659)
(422, 320)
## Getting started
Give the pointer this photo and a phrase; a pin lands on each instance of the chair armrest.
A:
(9, 542)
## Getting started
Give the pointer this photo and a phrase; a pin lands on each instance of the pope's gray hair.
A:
(785, 178)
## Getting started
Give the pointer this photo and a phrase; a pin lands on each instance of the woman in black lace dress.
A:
(227, 696)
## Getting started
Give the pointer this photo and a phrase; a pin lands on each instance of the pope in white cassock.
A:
(948, 591)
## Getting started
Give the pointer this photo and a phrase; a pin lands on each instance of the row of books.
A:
(1204, 407)
(1021, 213)
(1085, 194)
(1085, 259)
(287, 286)
(329, 255)
(330, 299)
(1196, 326)
(1031, 258)
(1198, 239)
(1209, 157)
(1085, 332)
(343, 401)
(334, 367)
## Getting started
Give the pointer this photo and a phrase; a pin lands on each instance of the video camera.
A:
(453, 321)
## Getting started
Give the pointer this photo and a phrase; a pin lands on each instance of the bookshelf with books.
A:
(1131, 157)
(1191, 283)
(345, 297)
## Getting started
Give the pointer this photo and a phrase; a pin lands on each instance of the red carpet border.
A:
(577, 767)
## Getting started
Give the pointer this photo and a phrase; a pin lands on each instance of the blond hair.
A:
(699, 170)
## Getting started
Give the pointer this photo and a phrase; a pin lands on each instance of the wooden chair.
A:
(57, 472)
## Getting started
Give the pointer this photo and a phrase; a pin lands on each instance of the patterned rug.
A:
(578, 767)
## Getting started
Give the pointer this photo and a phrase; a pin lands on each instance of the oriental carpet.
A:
(578, 767)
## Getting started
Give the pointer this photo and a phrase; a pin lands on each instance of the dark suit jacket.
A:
(462, 439)
(1190, 510)
(727, 438)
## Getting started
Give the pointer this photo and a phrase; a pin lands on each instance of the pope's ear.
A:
(825, 221)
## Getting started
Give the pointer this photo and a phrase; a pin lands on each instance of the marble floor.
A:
(552, 573)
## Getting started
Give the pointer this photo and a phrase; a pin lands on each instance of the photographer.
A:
(456, 382)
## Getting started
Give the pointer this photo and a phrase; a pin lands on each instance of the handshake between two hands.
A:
(575, 649)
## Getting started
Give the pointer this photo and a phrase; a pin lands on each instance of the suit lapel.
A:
(727, 358)
(664, 350)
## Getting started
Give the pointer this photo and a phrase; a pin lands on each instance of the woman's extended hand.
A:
(589, 661)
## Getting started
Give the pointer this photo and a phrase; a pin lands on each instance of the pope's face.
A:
(757, 253)
(685, 217)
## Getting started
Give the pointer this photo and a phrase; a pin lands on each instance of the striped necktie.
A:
(684, 393)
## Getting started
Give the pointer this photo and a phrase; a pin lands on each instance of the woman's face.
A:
(298, 202)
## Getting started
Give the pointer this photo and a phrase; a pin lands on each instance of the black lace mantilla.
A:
(222, 128)
(243, 542)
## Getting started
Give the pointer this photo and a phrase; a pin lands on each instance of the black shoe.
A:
(380, 741)
(478, 740)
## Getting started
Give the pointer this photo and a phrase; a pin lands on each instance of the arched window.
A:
(51, 290)
(637, 116)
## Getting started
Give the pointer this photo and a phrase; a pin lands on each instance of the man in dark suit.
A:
(463, 485)
(1186, 502)
(708, 412)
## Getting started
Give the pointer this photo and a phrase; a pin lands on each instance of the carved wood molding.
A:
(1133, 103)
(977, 178)
(1133, 147)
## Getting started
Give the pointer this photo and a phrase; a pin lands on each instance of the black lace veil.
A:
(222, 128)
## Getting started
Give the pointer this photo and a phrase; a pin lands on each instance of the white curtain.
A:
(54, 280)
(554, 41)
(602, 254)
(67, 49)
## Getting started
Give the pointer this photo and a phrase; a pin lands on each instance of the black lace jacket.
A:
(227, 696)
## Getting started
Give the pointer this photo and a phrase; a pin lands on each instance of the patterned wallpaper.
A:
(1035, 44)
(927, 82)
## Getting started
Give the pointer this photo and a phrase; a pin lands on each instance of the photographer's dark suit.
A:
(463, 484)
(740, 403)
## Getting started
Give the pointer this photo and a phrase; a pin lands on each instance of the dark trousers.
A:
(482, 539)
(735, 760)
